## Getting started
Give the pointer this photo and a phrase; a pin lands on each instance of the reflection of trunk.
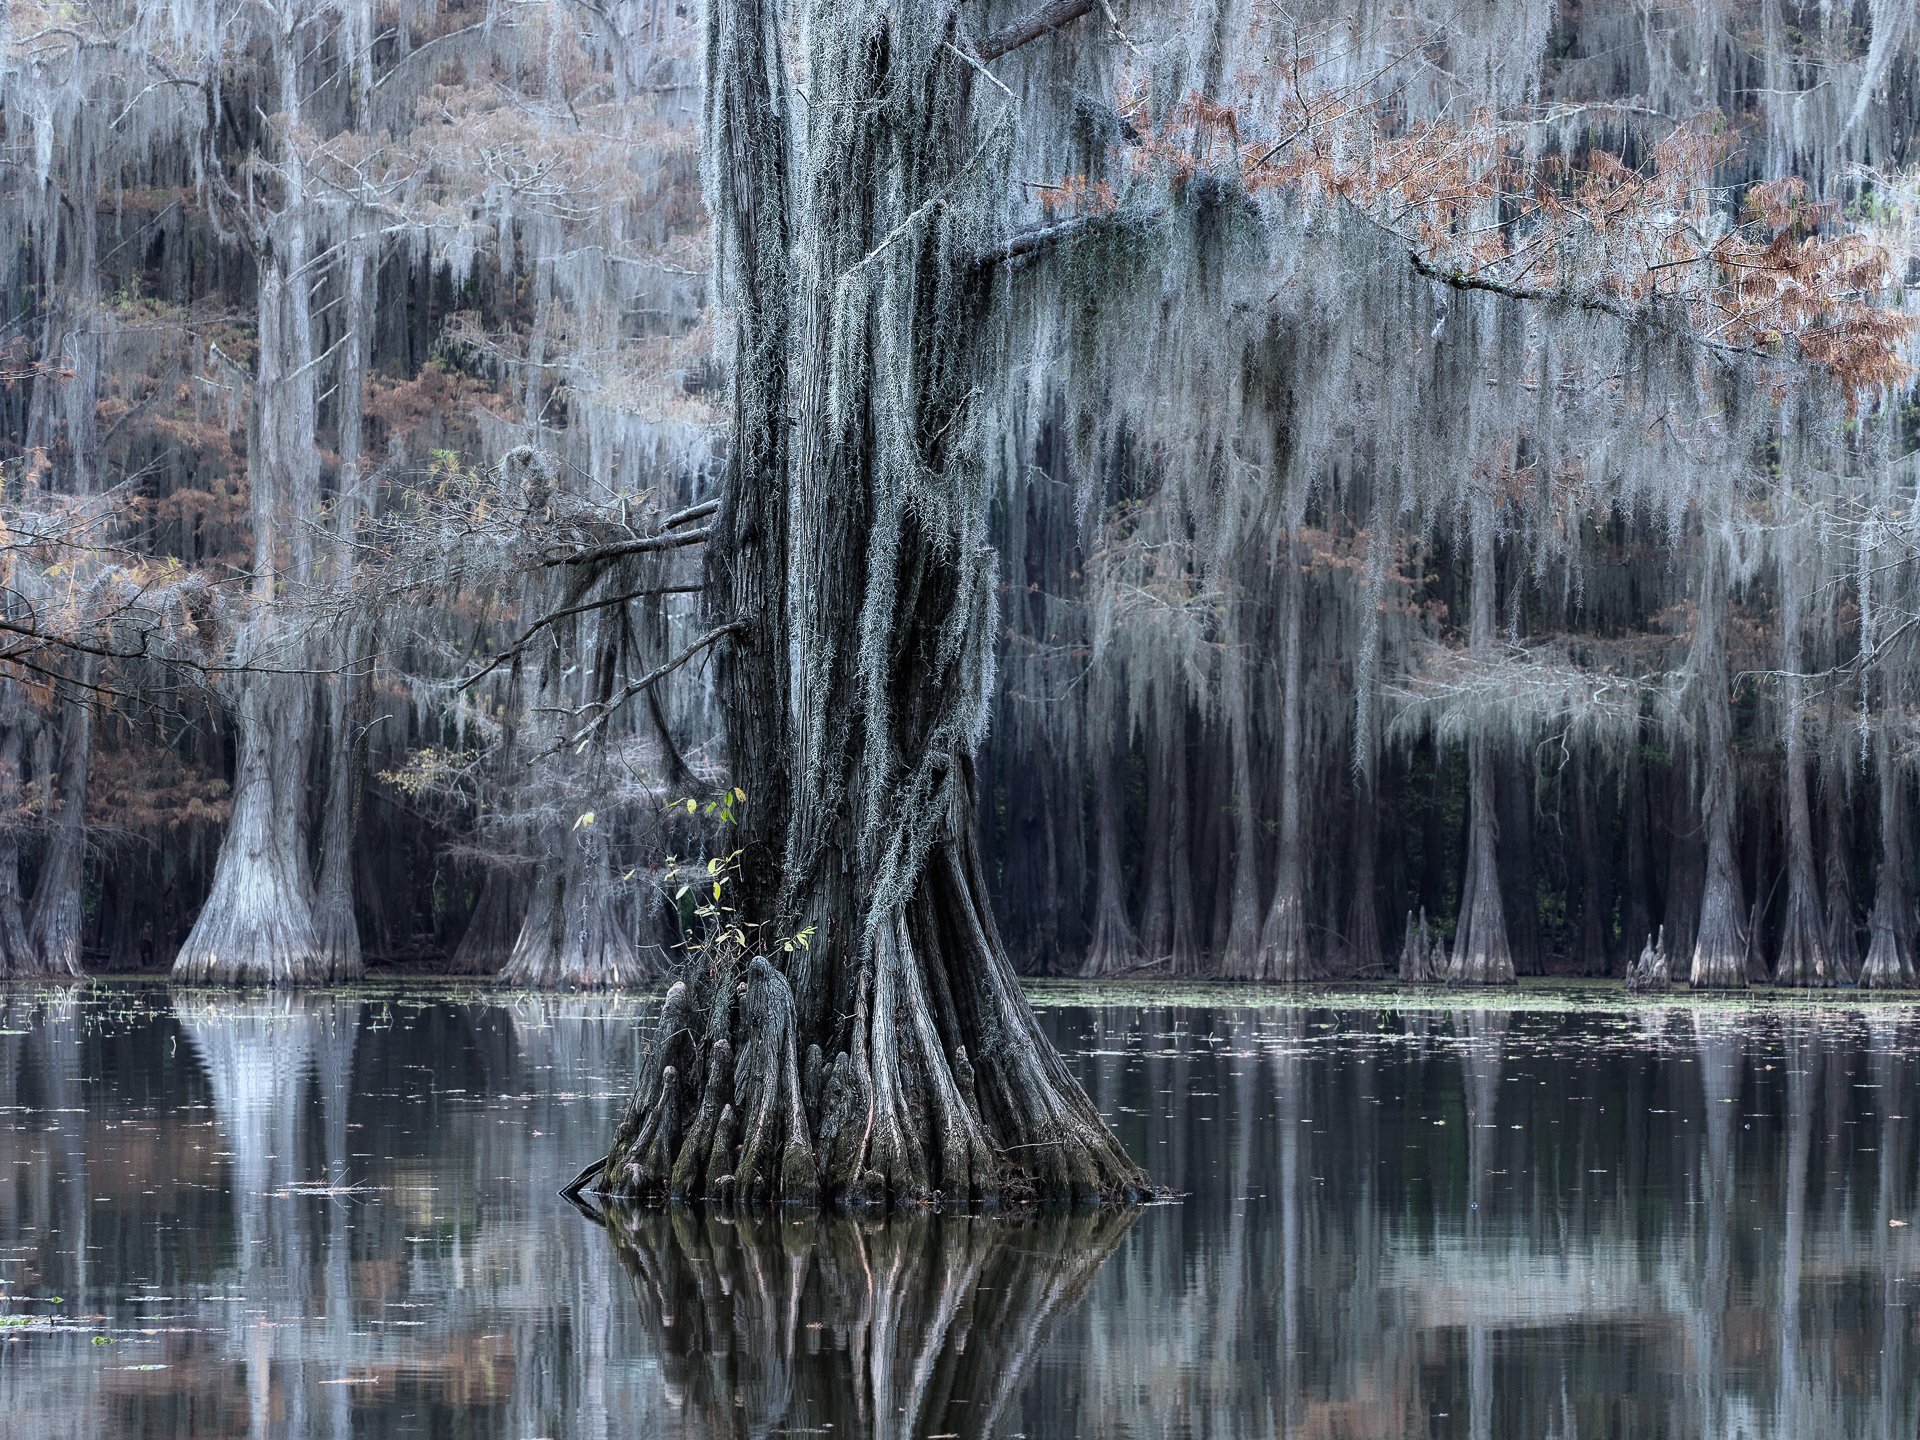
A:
(1283, 939)
(925, 1069)
(1114, 947)
(937, 1319)
(1720, 945)
(1802, 1057)
(1480, 952)
(1720, 1062)
(1238, 958)
(1890, 963)
(53, 925)
(1803, 958)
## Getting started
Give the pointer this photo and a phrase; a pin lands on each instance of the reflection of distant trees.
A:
(1477, 1222)
(906, 1325)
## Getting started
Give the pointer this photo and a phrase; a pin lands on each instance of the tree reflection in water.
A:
(903, 1325)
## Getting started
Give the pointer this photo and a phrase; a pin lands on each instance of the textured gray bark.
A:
(1802, 957)
(1284, 954)
(1889, 964)
(53, 922)
(1115, 947)
(1480, 952)
(895, 1060)
(257, 924)
(16, 954)
(1239, 957)
(1720, 943)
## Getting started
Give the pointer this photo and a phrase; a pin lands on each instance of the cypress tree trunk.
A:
(1283, 952)
(1590, 944)
(1843, 918)
(53, 922)
(873, 702)
(1802, 958)
(1114, 947)
(1365, 953)
(1156, 911)
(1480, 952)
(257, 924)
(16, 953)
(572, 937)
(1239, 957)
(1187, 953)
(488, 940)
(334, 919)
(1720, 944)
(1634, 888)
(1890, 962)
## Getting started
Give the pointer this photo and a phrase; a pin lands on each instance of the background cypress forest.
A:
(1451, 473)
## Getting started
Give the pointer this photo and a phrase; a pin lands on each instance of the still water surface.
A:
(335, 1216)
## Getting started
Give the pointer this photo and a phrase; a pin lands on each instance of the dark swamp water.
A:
(335, 1215)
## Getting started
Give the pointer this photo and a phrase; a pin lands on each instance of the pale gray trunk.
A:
(16, 952)
(1890, 962)
(1843, 911)
(334, 918)
(257, 924)
(1802, 958)
(1240, 953)
(1481, 955)
(53, 923)
(1720, 944)
(1114, 947)
(572, 937)
(1283, 954)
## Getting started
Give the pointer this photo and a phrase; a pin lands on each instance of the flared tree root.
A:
(729, 1111)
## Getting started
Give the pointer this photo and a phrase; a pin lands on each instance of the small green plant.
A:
(716, 935)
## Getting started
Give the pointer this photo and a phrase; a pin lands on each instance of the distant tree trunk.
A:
(16, 951)
(572, 937)
(1890, 961)
(1480, 952)
(1720, 945)
(1187, 953)
(1366, 955)
(941, 1081)
(1156, 911)
(1284, 955)
(487, 942)
(54, 918)
(1843, 917)
(1513, 791)
(257, 924)
(1802, 957)
(1590, 944)
(334, 918)
(1114, 947)
(1240, 951)
(1634, 887)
